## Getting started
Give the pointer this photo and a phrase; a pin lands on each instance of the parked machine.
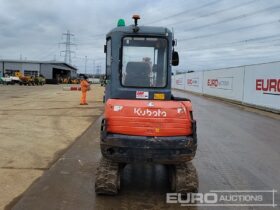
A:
(143, 121)
(18, 78)
(40, 80)
(10, 79)
(7, 80)
(26, 80)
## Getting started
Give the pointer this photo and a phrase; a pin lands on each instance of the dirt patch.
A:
(39, 124)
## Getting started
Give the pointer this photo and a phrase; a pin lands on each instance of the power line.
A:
(243, 48)
(233, 18)
(88, 43)
(229, 31)
(46, 53)
(99, 35)
(231, 62)
(184, 12)
(236, 53)
(237, 42)
(98, 69)
(236, 57)
(82, 58)
(67, 52)
(242, 42)
(213, 13)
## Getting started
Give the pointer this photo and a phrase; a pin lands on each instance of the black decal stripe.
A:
(277, 94)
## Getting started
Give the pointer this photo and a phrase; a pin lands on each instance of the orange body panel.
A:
(148, 117)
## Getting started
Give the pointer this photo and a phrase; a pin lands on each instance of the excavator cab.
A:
(138, 62)
(143, 122)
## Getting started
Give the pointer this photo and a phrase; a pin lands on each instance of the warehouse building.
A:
(53, 71)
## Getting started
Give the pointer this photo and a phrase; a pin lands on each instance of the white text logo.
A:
(150, 113)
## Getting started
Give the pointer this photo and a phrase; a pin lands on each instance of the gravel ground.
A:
(37, 124)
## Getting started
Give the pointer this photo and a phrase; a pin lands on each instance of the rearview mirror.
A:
(175, 58)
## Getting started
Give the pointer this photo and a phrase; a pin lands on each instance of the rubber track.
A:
(186, 179)
(107, 177)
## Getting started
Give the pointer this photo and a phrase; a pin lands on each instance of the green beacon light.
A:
(121, 22)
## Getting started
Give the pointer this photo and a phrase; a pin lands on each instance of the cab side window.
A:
(108, 56)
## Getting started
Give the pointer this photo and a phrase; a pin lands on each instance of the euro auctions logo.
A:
(193, 82)
(268, 86)
(179, 81)
(225, 198)
(224, 83)
(213, 82)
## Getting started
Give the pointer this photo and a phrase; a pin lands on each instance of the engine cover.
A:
(148, 117)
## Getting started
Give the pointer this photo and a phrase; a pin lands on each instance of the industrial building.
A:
(53, 71)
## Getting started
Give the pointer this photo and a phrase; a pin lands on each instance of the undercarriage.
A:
(175, 153)
(182, 177)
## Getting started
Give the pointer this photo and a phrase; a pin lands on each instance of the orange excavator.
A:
(143, 121)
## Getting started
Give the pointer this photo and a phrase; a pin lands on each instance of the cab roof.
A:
(147, 30)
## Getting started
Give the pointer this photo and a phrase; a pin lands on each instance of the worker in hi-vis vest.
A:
(84, 89)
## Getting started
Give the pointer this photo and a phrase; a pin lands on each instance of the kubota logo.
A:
(150, 113)
(269, 86)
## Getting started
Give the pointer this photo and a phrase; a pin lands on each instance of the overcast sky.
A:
(210, 33)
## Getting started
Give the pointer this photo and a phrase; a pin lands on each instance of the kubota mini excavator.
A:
(143, 121)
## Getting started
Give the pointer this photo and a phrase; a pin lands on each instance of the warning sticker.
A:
(142, 94)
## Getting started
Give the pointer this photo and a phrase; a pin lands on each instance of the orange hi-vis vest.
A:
(84, 85)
